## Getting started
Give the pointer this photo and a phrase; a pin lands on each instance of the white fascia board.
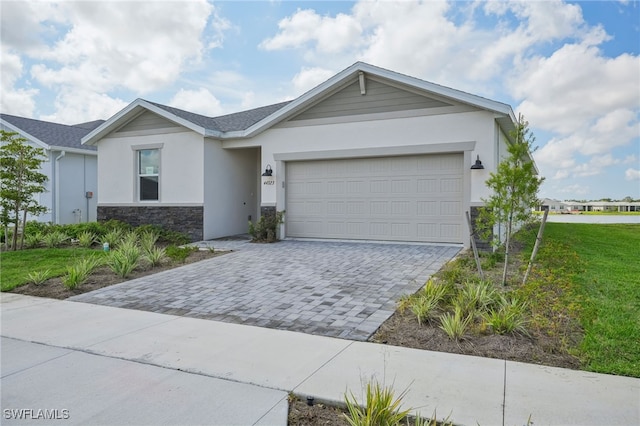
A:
(131, 111)
(73, 150)
(25, 135)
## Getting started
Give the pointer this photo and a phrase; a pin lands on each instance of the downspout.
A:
(56, 218)
(84, 179)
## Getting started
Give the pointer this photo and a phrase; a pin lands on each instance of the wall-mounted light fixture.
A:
(478, 165)
(268, 171)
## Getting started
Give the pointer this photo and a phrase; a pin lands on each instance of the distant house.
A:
(71, 190)
(370, 154)
(553, 206)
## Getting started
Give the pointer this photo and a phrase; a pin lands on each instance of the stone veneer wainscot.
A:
(186, 220)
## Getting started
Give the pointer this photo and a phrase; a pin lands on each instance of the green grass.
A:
(15, 266)
(610, 288)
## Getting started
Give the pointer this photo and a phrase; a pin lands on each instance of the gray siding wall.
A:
(378, 98)
(77, 176)
(146, 121)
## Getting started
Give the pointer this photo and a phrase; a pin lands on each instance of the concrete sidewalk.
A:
(248, 370)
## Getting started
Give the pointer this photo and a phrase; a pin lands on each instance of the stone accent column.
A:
(267, 210)
(484, 245)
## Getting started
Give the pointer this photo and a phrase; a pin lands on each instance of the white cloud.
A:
(326, 34)
(632, 174)
(98, 47)
(575, 189)
(200, 101)
(76, 106)
(141, 46)
(15, 101)
(575, 86)
(308, 78)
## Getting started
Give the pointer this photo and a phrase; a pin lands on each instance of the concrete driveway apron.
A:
(335, 289)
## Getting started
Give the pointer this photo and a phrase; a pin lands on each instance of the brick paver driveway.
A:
(337, 289)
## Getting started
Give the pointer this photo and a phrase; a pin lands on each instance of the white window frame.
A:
(137, 175)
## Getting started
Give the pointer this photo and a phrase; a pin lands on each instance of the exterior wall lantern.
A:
(267, 176)
(477, 166)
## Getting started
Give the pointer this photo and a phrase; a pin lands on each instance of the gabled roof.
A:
(249, 123)
(49, 135)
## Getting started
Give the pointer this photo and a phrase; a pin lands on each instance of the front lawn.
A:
(610, 287)
(15, 266)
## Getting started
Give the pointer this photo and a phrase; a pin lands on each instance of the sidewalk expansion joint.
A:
(313, 373)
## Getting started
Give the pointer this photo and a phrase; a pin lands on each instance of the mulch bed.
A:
(402, 329)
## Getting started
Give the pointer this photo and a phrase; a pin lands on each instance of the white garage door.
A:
(408, 198)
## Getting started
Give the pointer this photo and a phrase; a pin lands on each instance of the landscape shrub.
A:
(78, 273)
(509, 317)
(86, 239)
(54, 239)
(455, 325)
(33, 240)
(113, 237)
(124, 260)
(39, 277)
(148, 240)
(265, 229)
(155, 255)
(475, 298)
(179, 254)
(381, 407)
(423, 308)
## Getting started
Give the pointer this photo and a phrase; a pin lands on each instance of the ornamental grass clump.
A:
(113, 237)
(476, 298)
(86, 239)
(125, 259)
(423, 308)
(148, 240)
(33, 240)
(78, 273)
(381, 408)
(54, 239)
(39, 277)
(509, 317)
(455, 325)
(155, 256)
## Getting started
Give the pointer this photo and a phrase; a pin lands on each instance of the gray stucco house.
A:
(72, 188)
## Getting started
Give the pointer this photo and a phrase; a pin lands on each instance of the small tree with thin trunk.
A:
(514, 188)
(20, 181)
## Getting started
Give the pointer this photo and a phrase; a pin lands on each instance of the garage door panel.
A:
(411, 198)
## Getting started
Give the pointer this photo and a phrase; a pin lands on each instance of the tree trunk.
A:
(14, 240)
(24, 225)
(506, 248)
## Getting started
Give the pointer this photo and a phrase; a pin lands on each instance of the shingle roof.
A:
(225, 123)
(54, 134)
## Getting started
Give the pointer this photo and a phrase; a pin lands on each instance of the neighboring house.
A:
(553, 206)
(369, 154)
(71, 168)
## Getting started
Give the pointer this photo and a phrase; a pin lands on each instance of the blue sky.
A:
(572, 68)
